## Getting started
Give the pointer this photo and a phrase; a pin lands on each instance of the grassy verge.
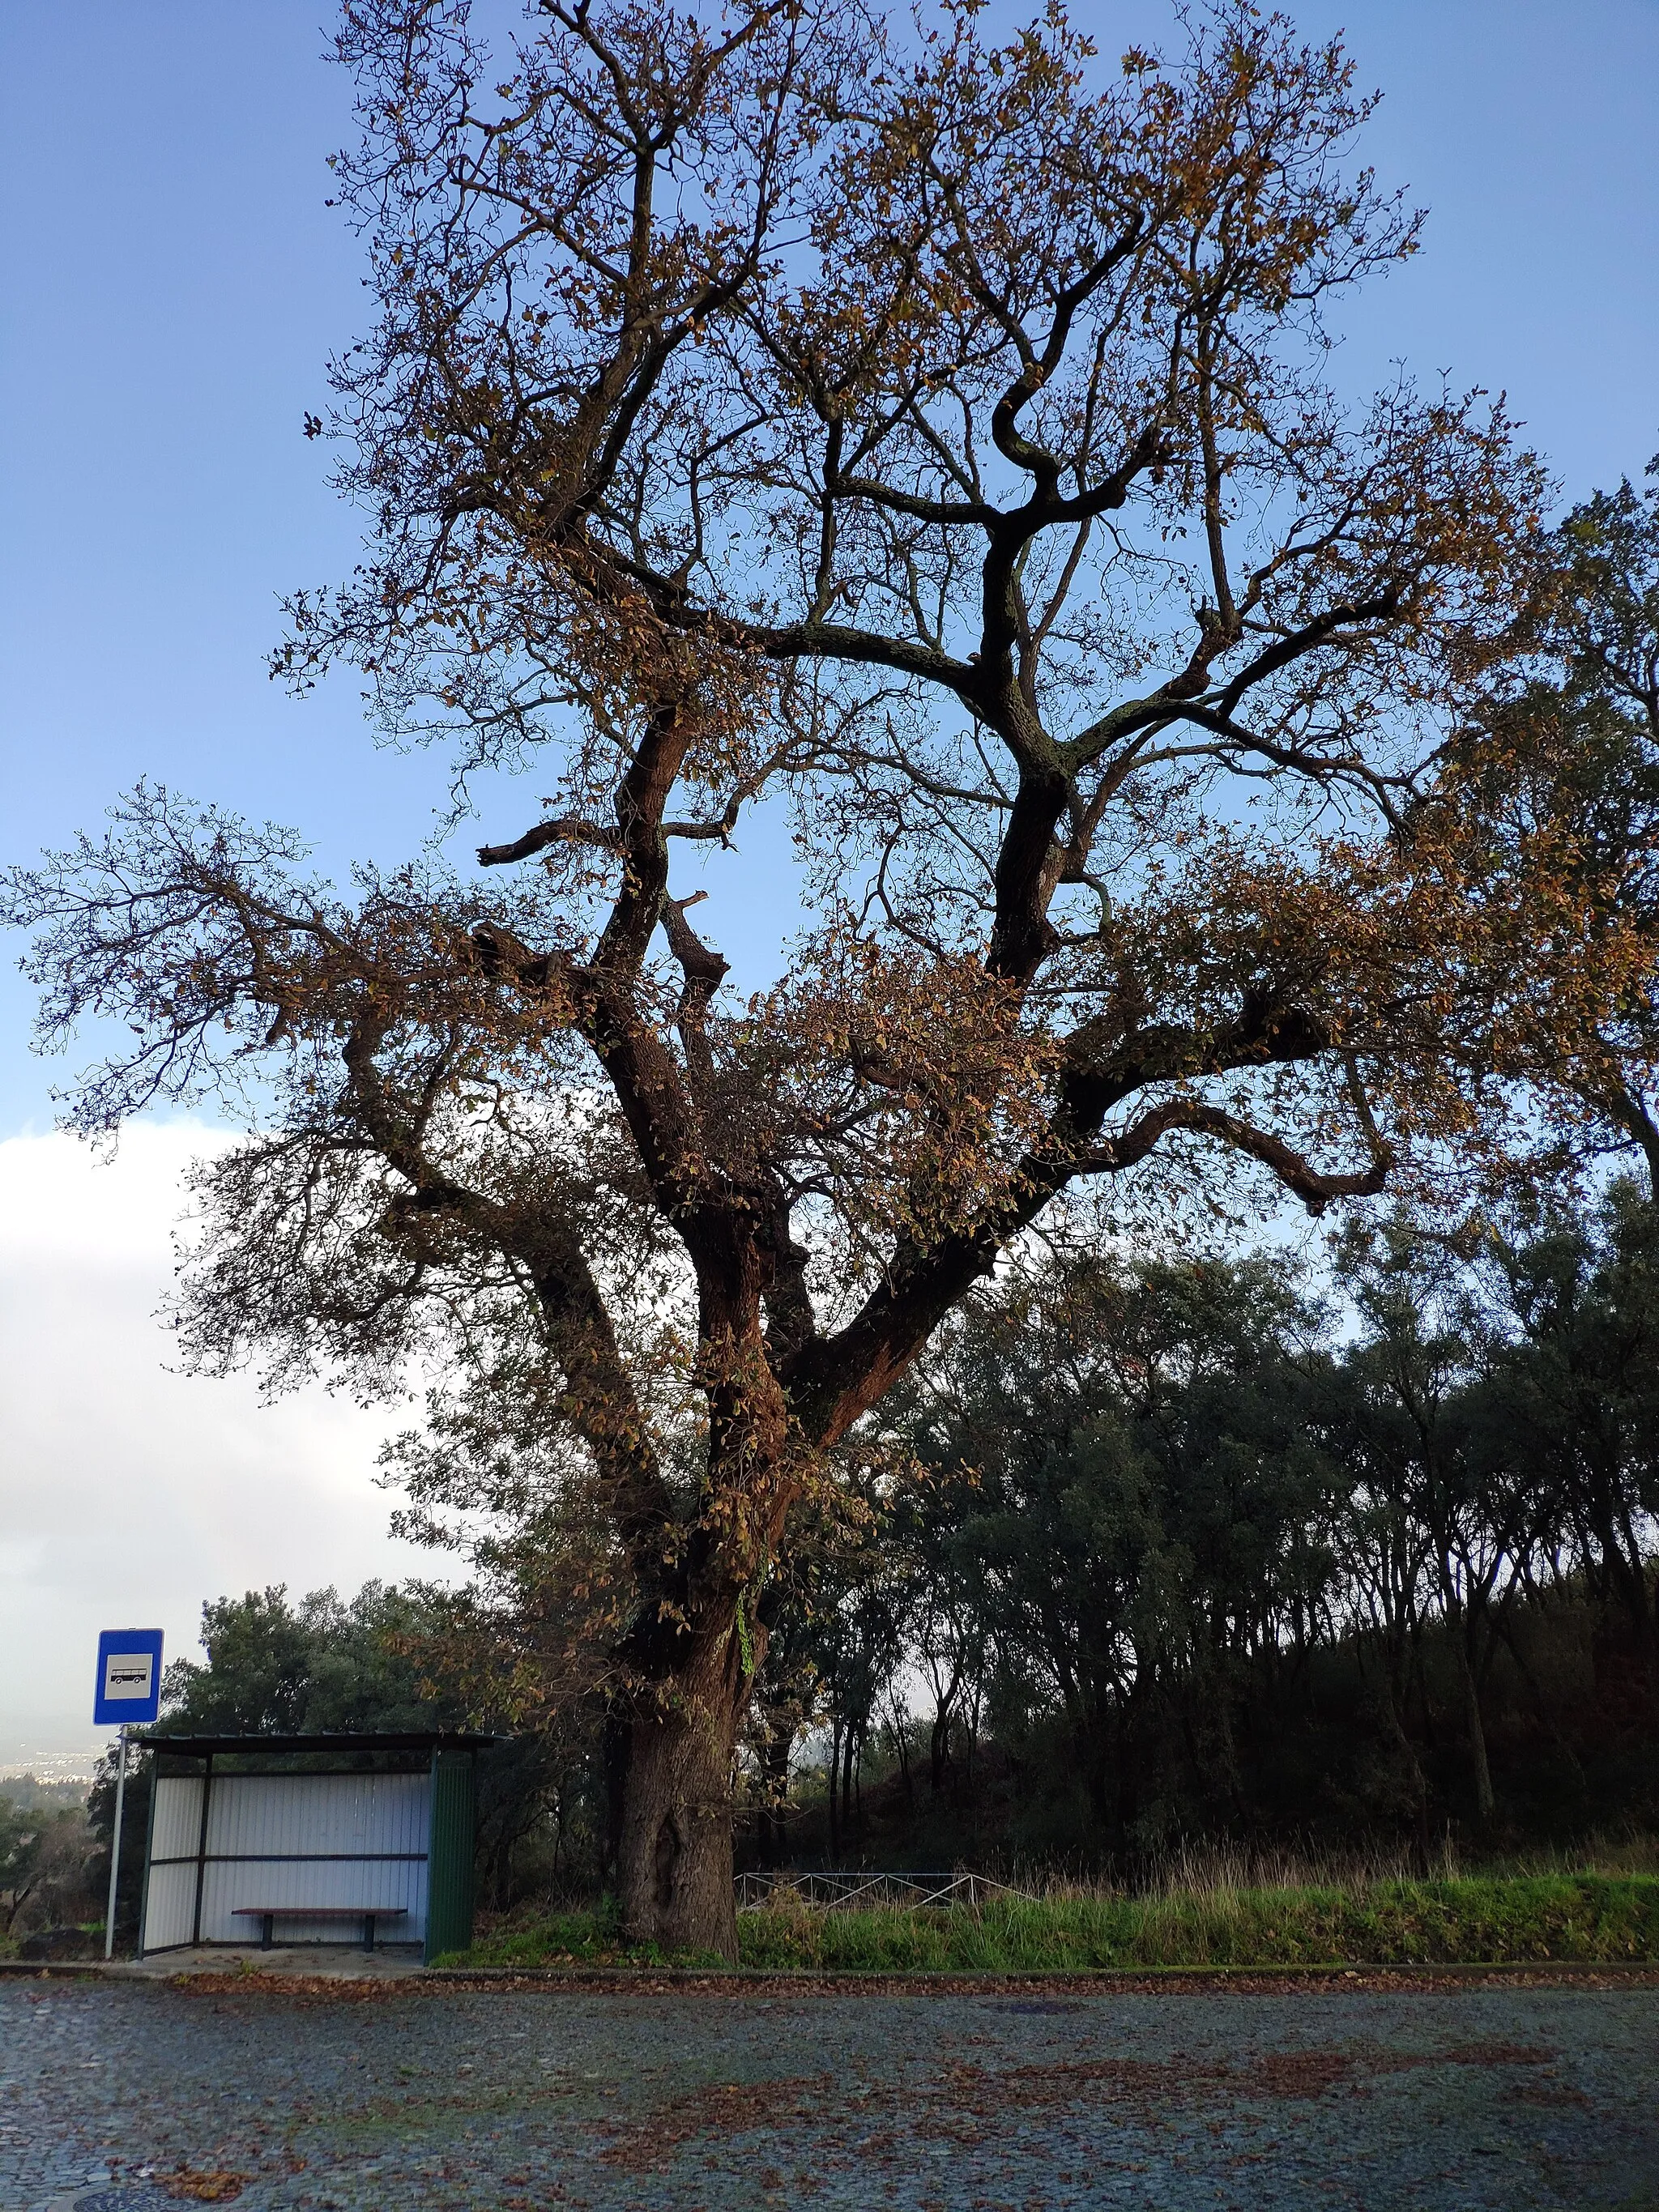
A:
(1586, 1919)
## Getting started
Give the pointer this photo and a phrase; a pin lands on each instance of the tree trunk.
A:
(1484, 1800)
(973, 1709)
(1234, 1779)
(1542, 1705)
(902, 1745)
(615, 1743)
(677, 1856)
(1097, 1754)
(676, 1874)
(834, 1795)
(939, 1747)
(1389, 1702)
(778, 1745)
(1633, 1576)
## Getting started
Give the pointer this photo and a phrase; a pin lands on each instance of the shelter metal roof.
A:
(200, 1747)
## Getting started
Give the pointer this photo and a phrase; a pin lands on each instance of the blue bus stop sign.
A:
(129, 1677)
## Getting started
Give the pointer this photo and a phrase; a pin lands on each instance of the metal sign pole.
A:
(115, 1846)
(129, 1690)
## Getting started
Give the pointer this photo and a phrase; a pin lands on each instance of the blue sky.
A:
(175, 283)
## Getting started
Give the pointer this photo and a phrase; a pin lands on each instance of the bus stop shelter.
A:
(309, 1839)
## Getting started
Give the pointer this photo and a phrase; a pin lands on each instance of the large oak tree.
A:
(781, 407)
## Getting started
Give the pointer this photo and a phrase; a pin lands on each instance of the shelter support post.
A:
(450, 1842)
(201, 1848)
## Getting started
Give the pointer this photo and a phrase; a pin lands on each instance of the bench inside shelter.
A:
(337, 1838)
(268, 1915)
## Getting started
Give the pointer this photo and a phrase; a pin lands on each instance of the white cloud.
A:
(129, 1494)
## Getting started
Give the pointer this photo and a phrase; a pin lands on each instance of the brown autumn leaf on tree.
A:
(928, 436)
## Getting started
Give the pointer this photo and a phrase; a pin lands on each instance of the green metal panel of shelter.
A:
(449, 1861)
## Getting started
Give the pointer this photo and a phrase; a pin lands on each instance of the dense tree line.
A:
(1186, 1549)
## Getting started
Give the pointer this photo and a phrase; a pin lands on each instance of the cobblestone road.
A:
(132, 2098)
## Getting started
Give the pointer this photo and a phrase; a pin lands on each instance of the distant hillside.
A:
(30, 1795)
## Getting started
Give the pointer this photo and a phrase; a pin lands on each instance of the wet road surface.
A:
(133, 2097)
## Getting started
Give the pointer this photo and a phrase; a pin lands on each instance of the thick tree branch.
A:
(568, 830)
(704, 971)
(1314, 1187)
(600, 1400)
(835, 1379)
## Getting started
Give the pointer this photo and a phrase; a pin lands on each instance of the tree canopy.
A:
(1549, 801)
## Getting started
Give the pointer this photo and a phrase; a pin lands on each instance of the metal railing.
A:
(837, 1891)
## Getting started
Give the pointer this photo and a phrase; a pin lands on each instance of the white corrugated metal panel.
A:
(175, 1835)
(169, 1905)
(280, 1814)
(234, 1891)
(277, 1841)
(177, 1830)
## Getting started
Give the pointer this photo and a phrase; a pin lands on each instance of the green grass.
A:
(1582, 1918)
